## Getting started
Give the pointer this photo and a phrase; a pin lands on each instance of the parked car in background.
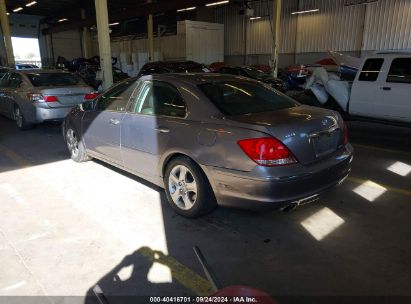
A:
(216, 66)
(26, 66)
(34, 96)
(381, 89)
(89, 73)
(87, 69)
(256, 74)
(178, 66)
(211, 139)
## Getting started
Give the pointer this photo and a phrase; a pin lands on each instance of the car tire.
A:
(187, 188)
(75, 146)
(20, 120)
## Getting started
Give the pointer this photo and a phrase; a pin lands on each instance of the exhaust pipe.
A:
(289, 208)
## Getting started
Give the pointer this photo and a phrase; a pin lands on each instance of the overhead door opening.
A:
(26, 52)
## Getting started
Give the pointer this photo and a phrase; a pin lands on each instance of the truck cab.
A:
(382, 88)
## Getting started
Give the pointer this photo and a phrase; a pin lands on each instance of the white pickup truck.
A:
(381, 89)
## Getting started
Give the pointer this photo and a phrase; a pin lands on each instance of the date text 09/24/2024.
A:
(210, 299)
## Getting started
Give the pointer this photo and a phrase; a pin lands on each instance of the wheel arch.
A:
(176, 154)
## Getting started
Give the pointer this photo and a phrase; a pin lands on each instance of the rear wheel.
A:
(20, 120)
(75, 146)
(188, 191)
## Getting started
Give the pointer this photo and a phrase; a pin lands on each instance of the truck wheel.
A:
(188, 191)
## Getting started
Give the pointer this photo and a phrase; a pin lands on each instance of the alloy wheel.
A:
(72, 142)
(19, 117)
(182, 187)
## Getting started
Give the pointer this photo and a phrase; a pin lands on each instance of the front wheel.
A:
(75, 146)
(188, 191)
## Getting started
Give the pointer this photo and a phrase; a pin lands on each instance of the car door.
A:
(101, 125)
(14, 89)
(393, 100)
(148, 126)
(4, 93)
(364, 90)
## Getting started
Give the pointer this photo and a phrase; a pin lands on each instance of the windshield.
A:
(255, 73)
(53, 79)
(238, 98)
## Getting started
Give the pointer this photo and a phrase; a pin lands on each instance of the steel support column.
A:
(104, 42)
(150, 38)
(277, 31)
(85, 37)
(4, 20)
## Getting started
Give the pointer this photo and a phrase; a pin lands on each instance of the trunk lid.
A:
(311, 134)
(67, 95)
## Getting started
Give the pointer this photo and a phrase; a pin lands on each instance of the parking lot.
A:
(66, 227)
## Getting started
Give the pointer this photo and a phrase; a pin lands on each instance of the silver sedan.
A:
(211, 139)
(34, 96)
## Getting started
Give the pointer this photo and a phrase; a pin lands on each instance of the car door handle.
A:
(114, 121)
(163, 130)
(386, 88)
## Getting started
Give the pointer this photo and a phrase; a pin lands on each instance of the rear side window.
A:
(160, 98)
(239, 98)
(53, 79)
(371, 69)
(400, 71)
(117, 98)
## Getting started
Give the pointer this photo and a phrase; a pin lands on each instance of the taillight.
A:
(345, 134)
(91, 96)
(267, 151)
(50, 98)
(34, 97)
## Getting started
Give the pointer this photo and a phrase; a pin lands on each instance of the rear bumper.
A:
(254, 190)
(46, 114)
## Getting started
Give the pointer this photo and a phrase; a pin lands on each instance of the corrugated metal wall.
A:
(388, 25)
(257, 33)
(334, 27)
(377, 26)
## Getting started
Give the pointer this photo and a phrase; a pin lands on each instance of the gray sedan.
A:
(211, 139)
(34, 96)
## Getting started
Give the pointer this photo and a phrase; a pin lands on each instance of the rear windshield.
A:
(53, 79)
(238, 98)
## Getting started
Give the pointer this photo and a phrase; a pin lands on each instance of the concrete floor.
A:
(66, 226)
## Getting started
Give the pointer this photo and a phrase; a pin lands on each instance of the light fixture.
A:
(7, 13)
(62, 20)
(217, 3)
(31, 3)
(305, 12)
(186, 9)
(115, 23)
(17, 9)
(255, 18)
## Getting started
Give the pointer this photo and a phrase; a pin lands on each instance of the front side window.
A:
(240, 97)
(4, 80)
(371, 69)
(160, 98)
(117, 98)
(400, 71)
